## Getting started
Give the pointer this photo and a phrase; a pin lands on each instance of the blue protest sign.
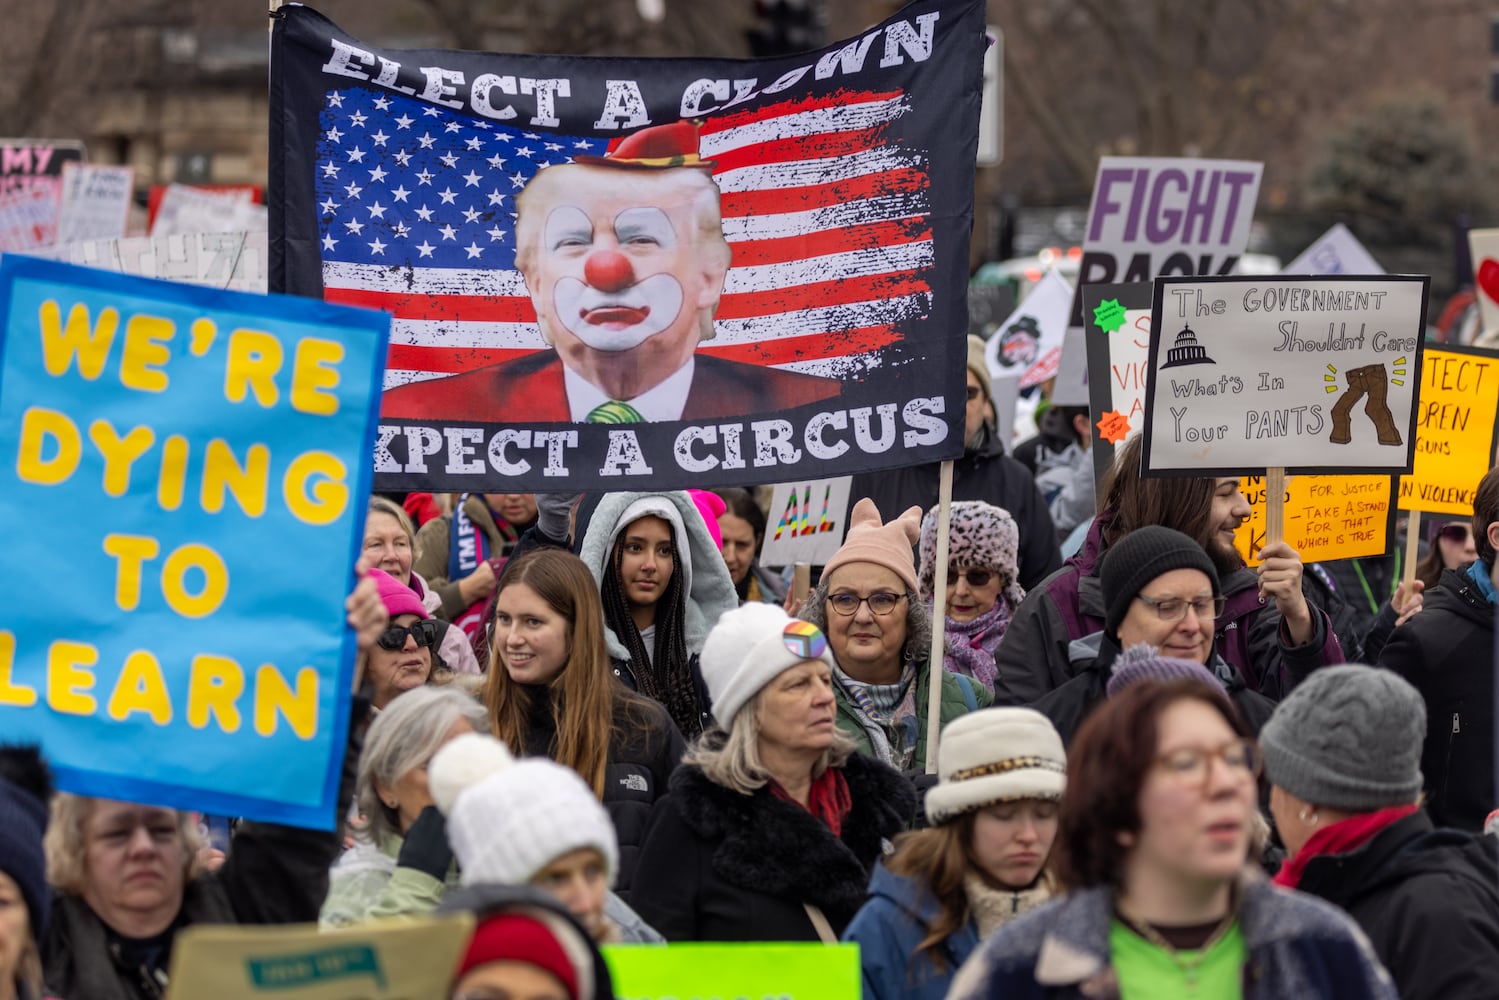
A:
(183, 471)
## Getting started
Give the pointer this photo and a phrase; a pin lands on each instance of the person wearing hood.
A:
(25, 899)
(525, 946)
(1342, 754)
(773, 822)
(984, 472)
(533, 822)
(880, 632)
(1162, 599)
(983, 586)
(663, 583)
(1268, 629)
(550, 693)
(981, 864)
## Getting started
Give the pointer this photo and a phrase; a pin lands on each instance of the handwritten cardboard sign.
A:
(1314, 374)
(781, 971)
(1326, 517)
(157, 440)
(95, 202)
(1155, 216)
(1455, 427)
(410, 959)
(806, 522)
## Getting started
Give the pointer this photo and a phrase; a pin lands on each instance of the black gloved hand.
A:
(426, 846)
(554, 514)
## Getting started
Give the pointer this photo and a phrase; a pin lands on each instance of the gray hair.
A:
(732, 759)
(918, 644)
(405, 735)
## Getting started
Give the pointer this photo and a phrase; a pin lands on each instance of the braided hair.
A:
(666, 678)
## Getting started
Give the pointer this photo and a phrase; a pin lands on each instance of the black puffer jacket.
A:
(645, 750)
(1429, 902)
(1447, 652)
(721, 866)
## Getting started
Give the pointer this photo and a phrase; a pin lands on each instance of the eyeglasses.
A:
(974, 392)
(881, 603)
(425, 633)
(975, 577)
(1189, 765)
(1173, 609)
(1455, 532)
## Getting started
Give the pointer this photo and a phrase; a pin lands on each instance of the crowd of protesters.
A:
(596, 720)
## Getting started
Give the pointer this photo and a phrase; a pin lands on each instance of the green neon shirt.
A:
(1146, 971)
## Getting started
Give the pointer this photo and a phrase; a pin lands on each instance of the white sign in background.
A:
(95, 202)
(1313, 374)
(806, 522)
(1336, 251)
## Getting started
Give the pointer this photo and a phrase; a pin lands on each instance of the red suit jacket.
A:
(530, 389)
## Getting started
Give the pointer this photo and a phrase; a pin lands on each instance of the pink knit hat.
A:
(871, 540)
(711, 506)
(398, 598)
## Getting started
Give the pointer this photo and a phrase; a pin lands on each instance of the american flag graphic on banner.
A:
(829, 228)
(828, 341)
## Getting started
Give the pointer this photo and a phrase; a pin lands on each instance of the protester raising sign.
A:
(1307, 373)
(617, 271)
(156, 442)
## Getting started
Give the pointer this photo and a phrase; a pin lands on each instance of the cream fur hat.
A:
(508, 819)
(996, 755)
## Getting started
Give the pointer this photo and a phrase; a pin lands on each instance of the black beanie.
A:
(25, 786)
(1141, 556)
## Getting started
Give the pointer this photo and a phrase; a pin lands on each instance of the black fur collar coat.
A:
(721, 866)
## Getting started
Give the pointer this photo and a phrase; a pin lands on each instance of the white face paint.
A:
(616, 290)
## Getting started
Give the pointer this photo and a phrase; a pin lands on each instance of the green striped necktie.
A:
(612, 411)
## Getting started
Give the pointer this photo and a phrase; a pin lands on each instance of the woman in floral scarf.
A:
(982, 589)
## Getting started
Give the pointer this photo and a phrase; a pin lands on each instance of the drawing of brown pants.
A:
(1369, 381)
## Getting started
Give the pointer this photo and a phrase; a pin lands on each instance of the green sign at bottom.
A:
(735, 971)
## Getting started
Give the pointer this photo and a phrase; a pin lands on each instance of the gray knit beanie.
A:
(1349, 738)
(1138, 558)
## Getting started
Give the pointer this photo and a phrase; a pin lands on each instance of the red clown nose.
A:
(608, 271)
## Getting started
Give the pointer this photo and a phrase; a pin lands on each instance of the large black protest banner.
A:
(610, 272)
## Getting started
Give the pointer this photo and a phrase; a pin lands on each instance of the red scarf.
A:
(827, 799)
(1339, 838)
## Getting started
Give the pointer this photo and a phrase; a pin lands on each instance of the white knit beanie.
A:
(748, 648)
(996, 755)
(508, 819)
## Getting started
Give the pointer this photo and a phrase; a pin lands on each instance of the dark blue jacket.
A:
(888, 929)
(1299, 947)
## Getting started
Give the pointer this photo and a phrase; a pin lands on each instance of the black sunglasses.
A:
(425, 633)
(1456, 532)
(976, 577)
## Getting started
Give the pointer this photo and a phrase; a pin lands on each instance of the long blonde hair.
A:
(586, 695)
